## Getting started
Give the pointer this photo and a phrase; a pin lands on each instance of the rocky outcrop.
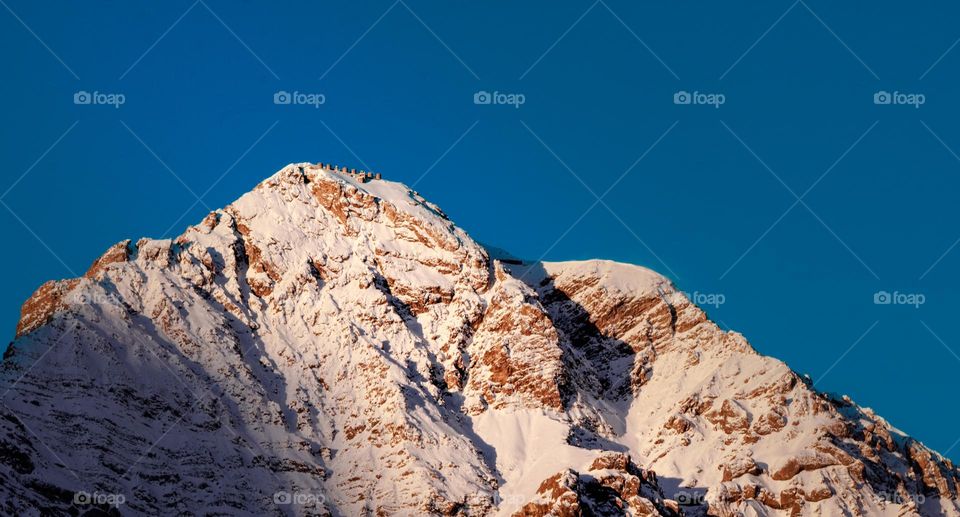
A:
(515, 355)
(117, 253)
(612, 485)
(40, 308)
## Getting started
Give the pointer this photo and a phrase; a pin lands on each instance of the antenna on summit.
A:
(358, 175)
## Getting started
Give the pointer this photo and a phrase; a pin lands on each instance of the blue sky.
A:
(794, 201)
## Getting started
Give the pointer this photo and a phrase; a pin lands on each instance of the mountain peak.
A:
(331, 343)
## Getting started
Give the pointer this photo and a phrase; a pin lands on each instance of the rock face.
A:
(328, 347)
(613, 485)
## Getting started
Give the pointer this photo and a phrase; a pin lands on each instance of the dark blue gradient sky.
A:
(793, 202)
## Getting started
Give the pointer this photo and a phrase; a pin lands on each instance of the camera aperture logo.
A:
(699, 98)
(899, 98)
(898, 298)
(508, 99)
(96, 98)
(299, 98)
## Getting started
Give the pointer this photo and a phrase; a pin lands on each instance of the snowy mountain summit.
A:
(334, 345)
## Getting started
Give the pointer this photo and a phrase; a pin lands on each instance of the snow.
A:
(329, 368)
(617, 278)
(530, 446)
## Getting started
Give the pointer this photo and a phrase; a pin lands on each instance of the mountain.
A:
(330, 344)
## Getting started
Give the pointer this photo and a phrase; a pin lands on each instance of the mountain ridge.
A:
(339, 342)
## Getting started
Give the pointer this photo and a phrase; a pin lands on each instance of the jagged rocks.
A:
(730, 417)
(119, 252)
(612, 485)
(739, 466)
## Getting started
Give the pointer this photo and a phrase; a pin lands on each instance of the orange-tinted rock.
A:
(932, 473)
(678, 424)
(613, 460)
(730, 417)
(818, 494)
(612, 486)
(738, 467)
(561, 494)
(810, 461)
(43, 304)
(119, 252)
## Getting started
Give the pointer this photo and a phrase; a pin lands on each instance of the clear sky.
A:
(783, 189)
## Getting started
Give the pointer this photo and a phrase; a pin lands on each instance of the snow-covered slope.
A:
(328, 346)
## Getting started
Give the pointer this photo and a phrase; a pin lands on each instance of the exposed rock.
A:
(613, 485)
(740, 466)
(40, 308)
